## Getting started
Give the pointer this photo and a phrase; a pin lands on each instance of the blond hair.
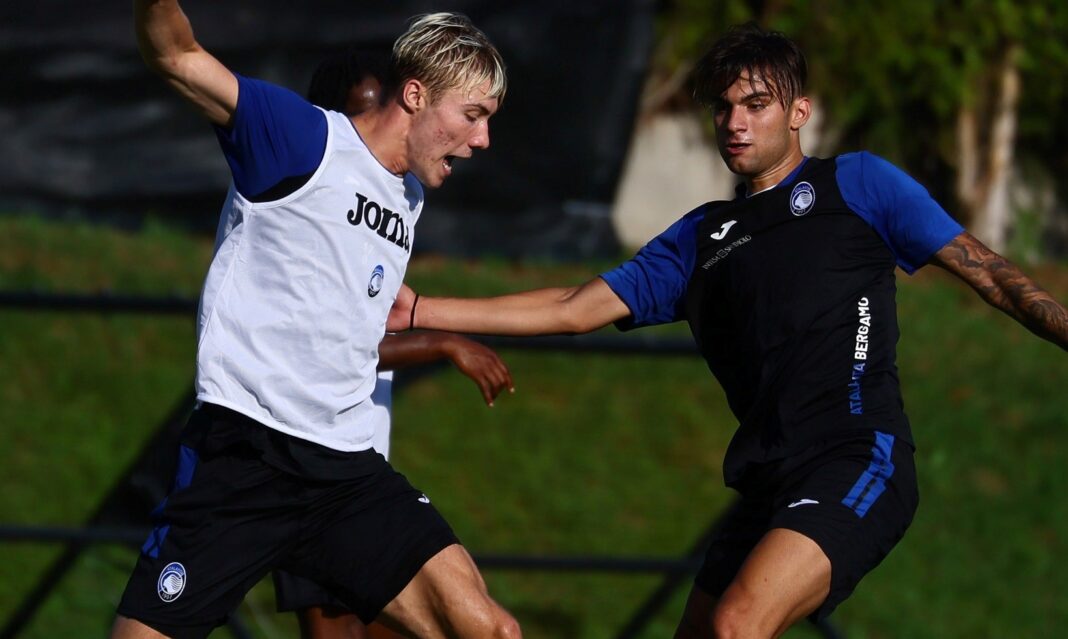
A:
(445, 51)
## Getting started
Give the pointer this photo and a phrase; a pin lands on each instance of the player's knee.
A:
(733, 619)
(504, 626)
(728, 623)
(485, 620)
(491, 622)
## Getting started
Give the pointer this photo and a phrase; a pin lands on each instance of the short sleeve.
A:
(900, 210)
(276, 134)
(653, 283)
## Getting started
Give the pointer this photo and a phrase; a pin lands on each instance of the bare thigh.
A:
(785, 577)
(447, 598)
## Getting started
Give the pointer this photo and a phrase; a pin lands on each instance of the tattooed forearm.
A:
(1005, 286)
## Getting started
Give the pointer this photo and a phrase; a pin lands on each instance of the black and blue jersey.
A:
(790, 294)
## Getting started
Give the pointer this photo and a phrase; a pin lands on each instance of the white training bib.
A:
(297, 295)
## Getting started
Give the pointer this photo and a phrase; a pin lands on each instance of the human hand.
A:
(482, 365)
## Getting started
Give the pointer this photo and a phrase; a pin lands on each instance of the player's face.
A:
(449, 128)
(755, 134)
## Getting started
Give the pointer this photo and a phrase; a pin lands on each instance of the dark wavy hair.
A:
(762, 55)
(335, 75)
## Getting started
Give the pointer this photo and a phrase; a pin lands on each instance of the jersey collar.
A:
(741, 191)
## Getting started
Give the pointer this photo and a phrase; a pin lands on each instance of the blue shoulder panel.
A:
(900, 210)
(653, 283)
(275, 134)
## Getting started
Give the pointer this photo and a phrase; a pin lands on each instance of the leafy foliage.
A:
(892, 75)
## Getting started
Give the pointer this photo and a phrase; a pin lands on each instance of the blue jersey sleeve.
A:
(276, 134)
(653, 283)
(900, 210)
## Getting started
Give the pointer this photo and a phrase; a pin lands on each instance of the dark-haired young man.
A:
(789, 292)
(350, 82)
(276, 466)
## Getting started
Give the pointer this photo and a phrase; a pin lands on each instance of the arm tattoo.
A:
(1004, 286)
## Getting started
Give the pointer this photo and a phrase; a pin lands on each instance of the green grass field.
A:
(593, 454)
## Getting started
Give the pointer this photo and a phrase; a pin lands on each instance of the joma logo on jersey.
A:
(722, 232)
(381, 220)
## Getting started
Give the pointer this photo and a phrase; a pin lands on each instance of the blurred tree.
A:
(954, 90)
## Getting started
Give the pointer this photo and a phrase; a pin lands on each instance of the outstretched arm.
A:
(546, 311)
(1004, 286)
(475, 360)
(168, 47)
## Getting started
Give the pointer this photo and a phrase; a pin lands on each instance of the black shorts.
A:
(293, 593)
(233, 517)
(855, 499)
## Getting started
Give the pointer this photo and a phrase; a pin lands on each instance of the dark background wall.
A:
(85, 129)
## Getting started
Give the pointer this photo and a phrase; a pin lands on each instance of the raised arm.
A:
(165, 39)
(477, 361)
(1004, 286)
(546, 311)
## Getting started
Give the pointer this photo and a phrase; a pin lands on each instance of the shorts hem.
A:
(417, 558)
(292, 594)
(174, 632)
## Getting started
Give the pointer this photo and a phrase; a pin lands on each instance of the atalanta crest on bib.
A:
(171, 582)
(375, 285)
(802, 199)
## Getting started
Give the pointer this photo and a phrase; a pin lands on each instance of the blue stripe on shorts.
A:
(187, 463)
(872, 482)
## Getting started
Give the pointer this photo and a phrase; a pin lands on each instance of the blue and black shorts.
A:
(854, 498)
(239, 509)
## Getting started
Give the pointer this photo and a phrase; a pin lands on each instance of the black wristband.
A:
(411, 319)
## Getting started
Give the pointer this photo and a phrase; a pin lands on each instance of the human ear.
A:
(800, 113)
(414, 95)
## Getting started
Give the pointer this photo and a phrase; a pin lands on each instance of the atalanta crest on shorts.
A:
(802, 199)
(375, 285)
(171, 582)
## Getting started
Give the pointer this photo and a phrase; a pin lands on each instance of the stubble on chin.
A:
(735, 165)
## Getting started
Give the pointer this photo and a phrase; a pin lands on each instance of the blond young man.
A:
(276, 465)
(352, 83)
